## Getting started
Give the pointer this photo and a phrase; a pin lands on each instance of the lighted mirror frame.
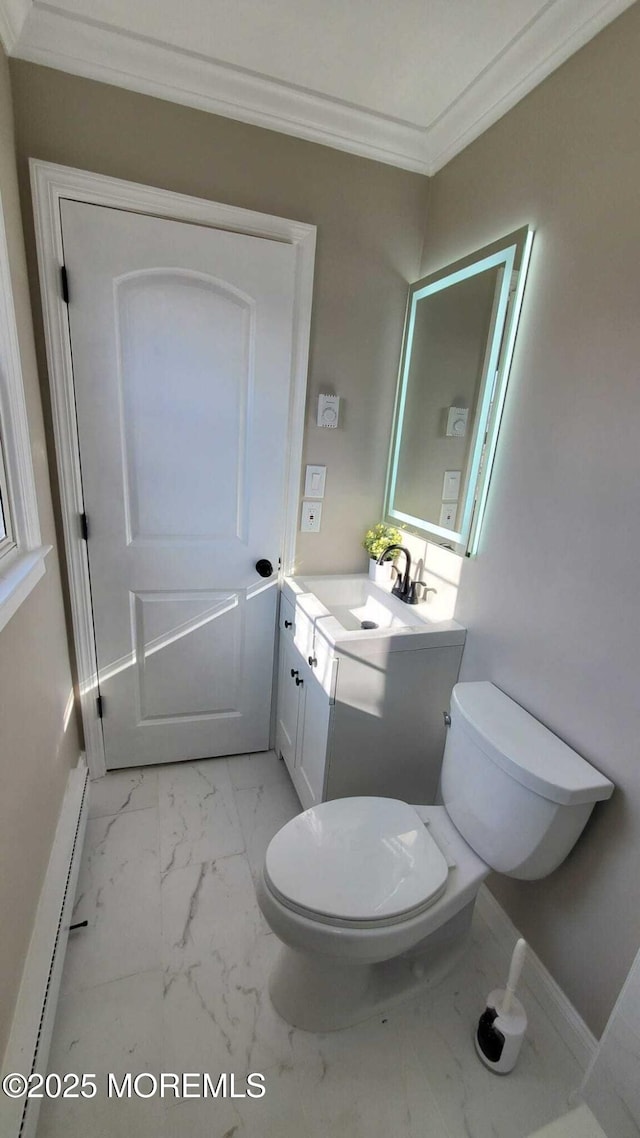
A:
(512, 254)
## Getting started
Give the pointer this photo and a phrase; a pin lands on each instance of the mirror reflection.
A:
(458, 344)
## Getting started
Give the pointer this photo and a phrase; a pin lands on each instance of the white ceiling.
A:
(408, 82)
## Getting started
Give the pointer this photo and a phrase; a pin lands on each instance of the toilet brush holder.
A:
(503, 1023)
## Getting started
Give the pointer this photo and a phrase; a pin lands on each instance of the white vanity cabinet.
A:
(361, 714)
(303, 707)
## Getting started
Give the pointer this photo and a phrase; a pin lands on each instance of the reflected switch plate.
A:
(450, 485)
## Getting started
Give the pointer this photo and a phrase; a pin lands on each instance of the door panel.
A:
(186, 663)
(170, 463)
(181, 340)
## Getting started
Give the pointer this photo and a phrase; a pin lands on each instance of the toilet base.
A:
(324, 993)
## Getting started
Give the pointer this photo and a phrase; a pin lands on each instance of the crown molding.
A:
(563, 27)
(73, 43)
(13, 14)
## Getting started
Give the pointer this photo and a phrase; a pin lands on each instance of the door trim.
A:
(49, 184)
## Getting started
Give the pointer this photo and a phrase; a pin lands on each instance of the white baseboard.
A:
(30, 1036)
(559, 1009)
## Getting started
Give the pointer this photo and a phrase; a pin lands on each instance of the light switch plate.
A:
(311, 517)
(314, 481)
(450, 485)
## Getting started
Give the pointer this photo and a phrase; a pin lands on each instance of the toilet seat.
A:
(356, 863)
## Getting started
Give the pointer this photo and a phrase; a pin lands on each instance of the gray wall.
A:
(552, 600)
(370, 220)
(36, 750)
(611, 1086)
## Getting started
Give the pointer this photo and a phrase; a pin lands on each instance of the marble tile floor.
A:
(171, 975)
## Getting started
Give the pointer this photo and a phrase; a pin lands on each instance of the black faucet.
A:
(405, 589)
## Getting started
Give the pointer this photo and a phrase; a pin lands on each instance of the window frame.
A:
(22, 553)
(7, 541)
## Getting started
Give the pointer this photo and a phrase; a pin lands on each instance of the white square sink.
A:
(352, 608)
(355, 601)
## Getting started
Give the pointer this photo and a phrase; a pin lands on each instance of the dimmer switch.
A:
(457, 422)
(328, 410)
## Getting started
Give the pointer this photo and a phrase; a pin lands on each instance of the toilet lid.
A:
(356, 859)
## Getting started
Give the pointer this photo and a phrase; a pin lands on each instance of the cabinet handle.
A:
(294, 673)
(288, 624)
(299, 682)
(312, 660)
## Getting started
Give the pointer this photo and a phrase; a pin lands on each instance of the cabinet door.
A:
(388, 732)
(288, 701)
(313, 739)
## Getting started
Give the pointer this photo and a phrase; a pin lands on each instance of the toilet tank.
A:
(518, 795)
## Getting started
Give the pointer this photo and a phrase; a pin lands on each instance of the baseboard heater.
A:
(30, 1037)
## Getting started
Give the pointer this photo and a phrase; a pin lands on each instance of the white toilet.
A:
(372, 897)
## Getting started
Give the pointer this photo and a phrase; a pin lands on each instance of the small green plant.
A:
(379, 538)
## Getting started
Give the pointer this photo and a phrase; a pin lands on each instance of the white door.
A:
(181, 341)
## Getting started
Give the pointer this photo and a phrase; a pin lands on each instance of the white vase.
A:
(380, 574)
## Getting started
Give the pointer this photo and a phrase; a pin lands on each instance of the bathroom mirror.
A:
(458, 343)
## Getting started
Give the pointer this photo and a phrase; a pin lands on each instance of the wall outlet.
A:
(311, 517)
(448, 513)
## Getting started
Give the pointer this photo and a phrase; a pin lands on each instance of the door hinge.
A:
(100, 707)
(84, 527)
(64, 281)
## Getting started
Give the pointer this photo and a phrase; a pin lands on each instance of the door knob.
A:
(264, 568)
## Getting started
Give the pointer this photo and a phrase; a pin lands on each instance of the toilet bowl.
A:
(372, 897)
(359, 940)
